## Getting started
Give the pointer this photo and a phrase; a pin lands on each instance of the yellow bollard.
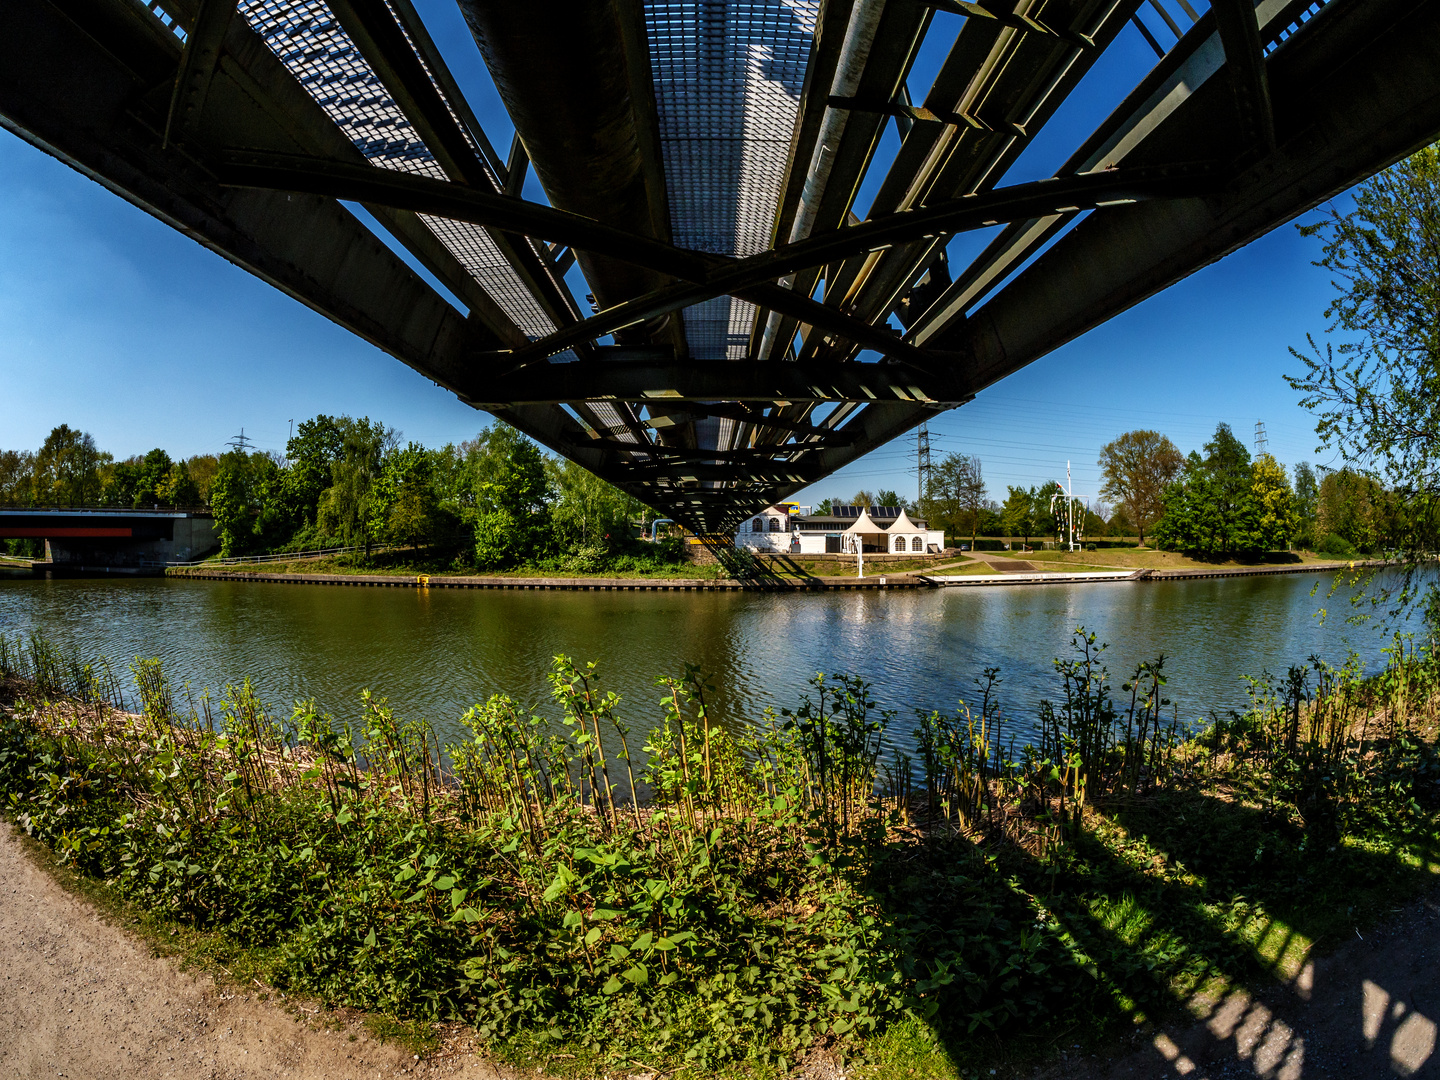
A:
(423, 580)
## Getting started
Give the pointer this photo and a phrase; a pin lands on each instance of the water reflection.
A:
(434, 653)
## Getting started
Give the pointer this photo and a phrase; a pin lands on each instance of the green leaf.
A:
(618, 951)
(613, 986)
(636, 974)
(593, 936)
(607, 913)
(457, 897)
(446, 882)
(557, 888)
(370, 937)
(643, 941)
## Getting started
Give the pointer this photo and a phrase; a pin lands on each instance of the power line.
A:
(241, 443)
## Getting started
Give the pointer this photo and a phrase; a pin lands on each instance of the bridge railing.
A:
(91, 508)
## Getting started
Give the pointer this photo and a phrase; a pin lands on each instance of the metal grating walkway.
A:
(312, 44)
(728, 76)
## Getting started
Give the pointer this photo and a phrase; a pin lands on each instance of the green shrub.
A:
(1336, 547)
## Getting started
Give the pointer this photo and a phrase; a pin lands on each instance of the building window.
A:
(899, 543)
(916, 544)
(775, 525)
(758, 525)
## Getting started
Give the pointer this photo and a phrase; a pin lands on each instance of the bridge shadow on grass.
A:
(1187, 917)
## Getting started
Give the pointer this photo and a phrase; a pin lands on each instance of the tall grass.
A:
(703, 891)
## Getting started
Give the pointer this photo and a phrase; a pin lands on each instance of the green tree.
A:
(1355, 508)
(310, 457)
(1375, 387)
(201, 469)
(957, 494)
(1307, 502)
(886, 497)
(17, 477)
(1224, 503)
(1136, 469)
(1017, 515)
(244, 500)
(67, 468)
(178, 489)
(510, 496)
(346, 509)
(862, 498)
(587, 510)
(1276, 517)
(1119, 523)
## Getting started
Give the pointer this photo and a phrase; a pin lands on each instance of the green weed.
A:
(738, 897)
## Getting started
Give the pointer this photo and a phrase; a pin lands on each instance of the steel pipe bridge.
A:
(746, 332)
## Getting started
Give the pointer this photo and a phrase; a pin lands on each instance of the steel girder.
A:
(1257, 114)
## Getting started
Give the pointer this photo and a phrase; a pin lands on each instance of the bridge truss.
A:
(702, 161)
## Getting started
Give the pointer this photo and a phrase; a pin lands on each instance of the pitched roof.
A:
(903, 524)
(864, 524)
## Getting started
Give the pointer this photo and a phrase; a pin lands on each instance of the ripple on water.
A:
(435, 652)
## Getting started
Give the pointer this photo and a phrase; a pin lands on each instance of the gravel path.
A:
(81, 998)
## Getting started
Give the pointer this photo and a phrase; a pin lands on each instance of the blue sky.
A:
(114, 323)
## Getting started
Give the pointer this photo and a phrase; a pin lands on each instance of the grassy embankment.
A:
(1149, 558)
(786, 885)
(406, 564)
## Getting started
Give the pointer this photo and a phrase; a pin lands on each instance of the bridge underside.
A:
(746, 333)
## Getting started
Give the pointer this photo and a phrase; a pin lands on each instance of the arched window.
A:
(774, 524)
(916, 544)
(758, 525)
(899, 543)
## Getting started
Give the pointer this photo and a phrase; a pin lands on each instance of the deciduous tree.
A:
(1136, 469)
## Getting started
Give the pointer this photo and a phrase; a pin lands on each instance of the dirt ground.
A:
(1367, 1011)
(81, 998)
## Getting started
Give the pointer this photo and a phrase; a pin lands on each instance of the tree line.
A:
(493, 502)
(1220, 502)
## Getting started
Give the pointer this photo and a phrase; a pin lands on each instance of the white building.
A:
(881, 529)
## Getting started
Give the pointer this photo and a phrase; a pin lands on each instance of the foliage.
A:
(1225, 503)
(248, 516)
(743, 893)
(1136, 468)
(1018, 515)
(955, 497)
(17, 470)
(1356, 509)
(587, 512)
(1307, 503)
(67, 468)
(1375, 387)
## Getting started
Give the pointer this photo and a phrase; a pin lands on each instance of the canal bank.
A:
(561, 584)
(912, 579)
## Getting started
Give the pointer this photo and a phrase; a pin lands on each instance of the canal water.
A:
(434, 653)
